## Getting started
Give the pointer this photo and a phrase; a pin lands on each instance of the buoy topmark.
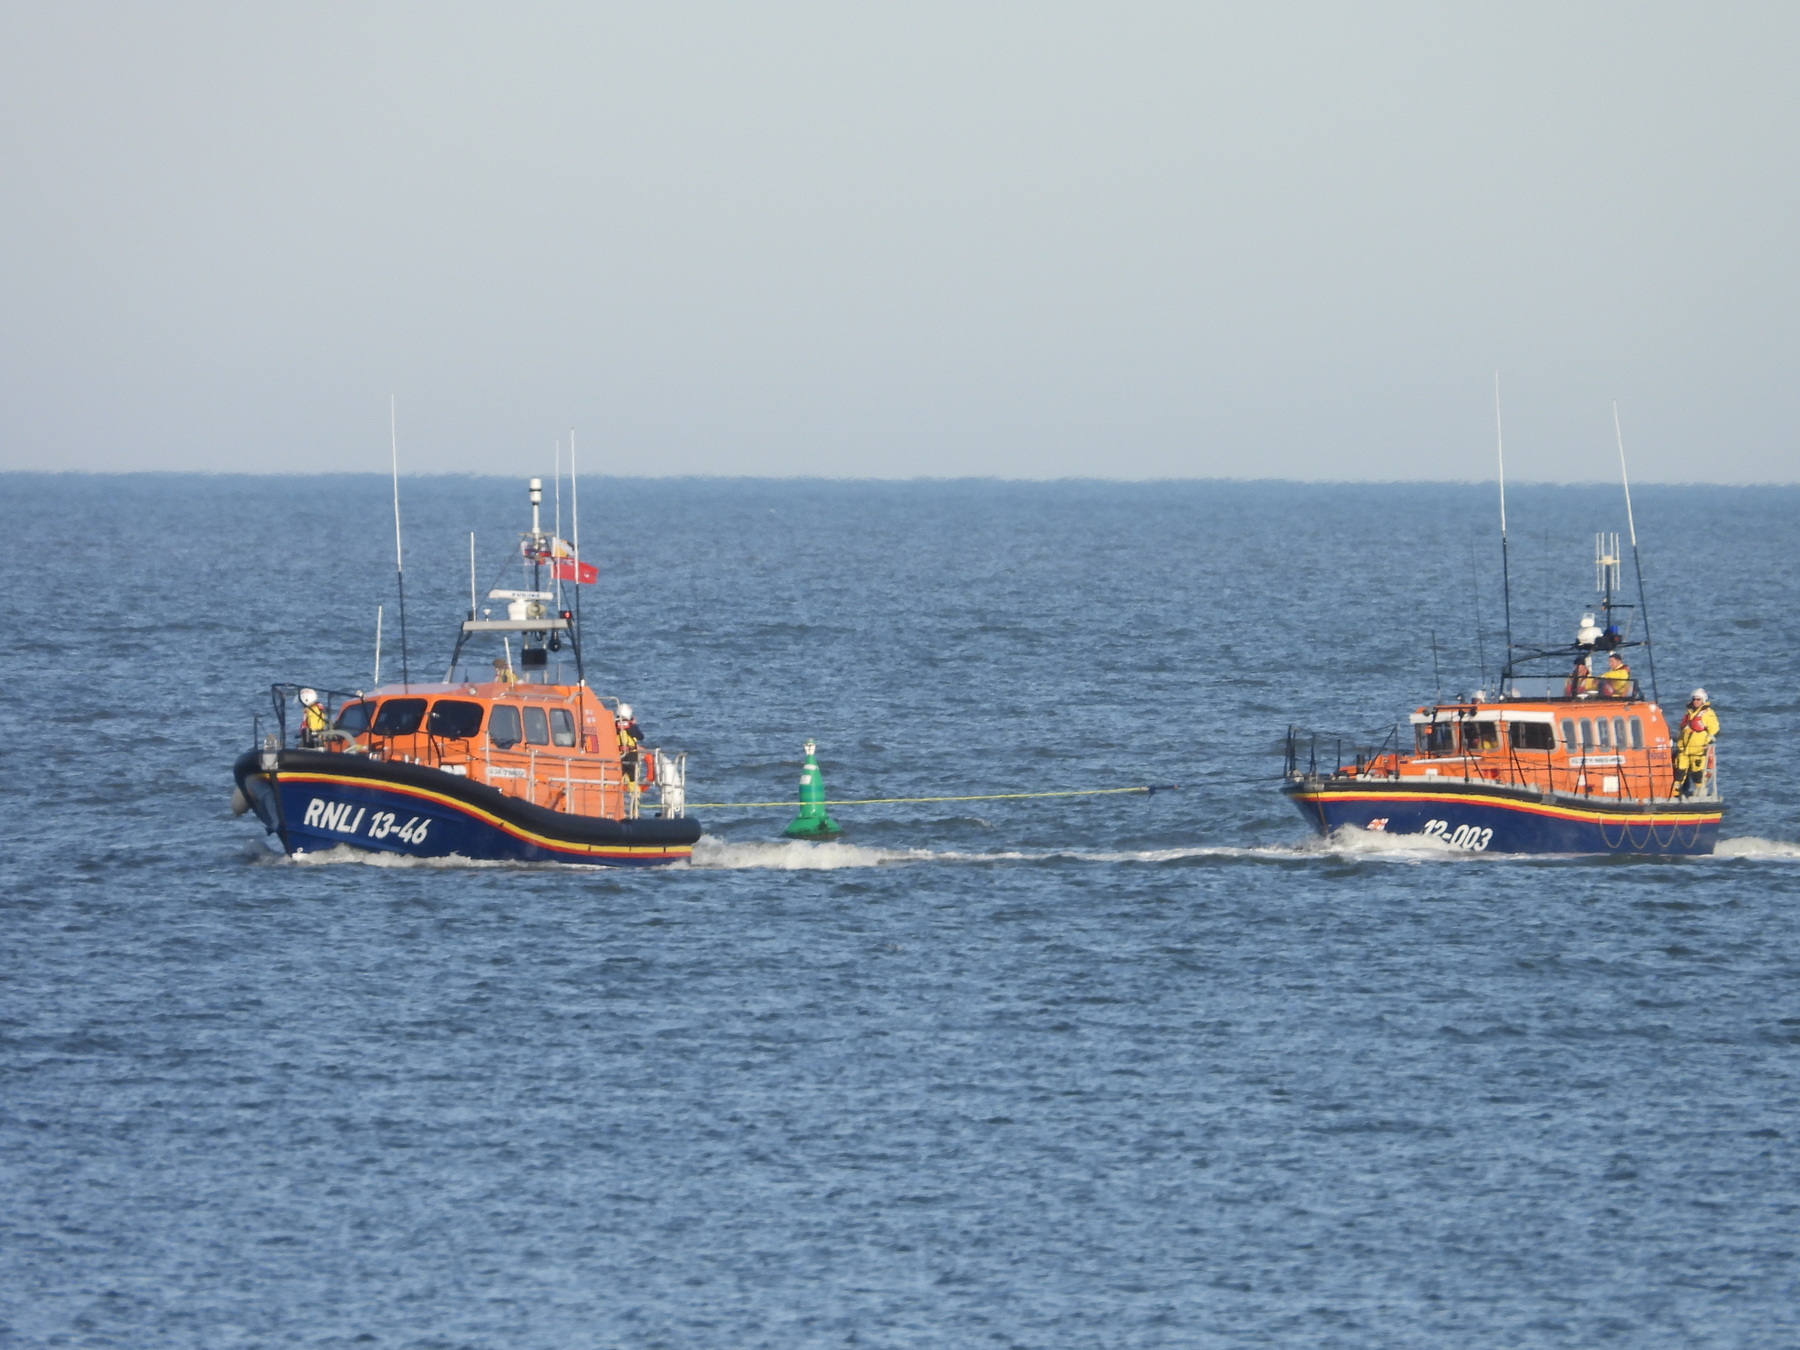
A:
(813, 822)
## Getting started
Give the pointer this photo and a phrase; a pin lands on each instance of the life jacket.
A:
(1697, 728)
(315, 717)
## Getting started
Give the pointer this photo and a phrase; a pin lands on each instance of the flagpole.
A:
(575, 528)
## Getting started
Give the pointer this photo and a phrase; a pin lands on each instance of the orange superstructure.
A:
(1587, 746)
(554, 746)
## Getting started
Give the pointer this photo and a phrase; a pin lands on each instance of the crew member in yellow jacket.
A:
(1699, 724)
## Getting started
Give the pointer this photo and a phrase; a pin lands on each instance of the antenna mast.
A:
(1636, 562)
(1505, 560)
(399, 566)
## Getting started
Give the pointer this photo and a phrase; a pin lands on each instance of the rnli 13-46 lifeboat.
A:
(1582, 763)
(496, 762)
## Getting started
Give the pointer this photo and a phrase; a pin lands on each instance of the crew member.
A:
(1581, 684)
(1615, 680)
(503, 671)
(630, 733)
(313, 721)
(1699, 724)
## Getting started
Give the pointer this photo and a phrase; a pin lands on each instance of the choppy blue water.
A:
(1108, 1072)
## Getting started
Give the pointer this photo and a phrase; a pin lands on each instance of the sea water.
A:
(1108, 1071)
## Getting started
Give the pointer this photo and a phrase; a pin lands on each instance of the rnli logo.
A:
(1379, 823)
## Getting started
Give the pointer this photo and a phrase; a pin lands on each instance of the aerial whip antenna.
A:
(1636, 562)
(556, 480)
(1505, 561)
(575, 529)
(399, 565)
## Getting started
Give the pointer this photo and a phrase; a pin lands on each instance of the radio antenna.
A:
(1505, 559)
(399, 565)
(1636, 562)
(575, 529)
(556, 480)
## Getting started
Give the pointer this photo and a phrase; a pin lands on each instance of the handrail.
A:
(1505, 764)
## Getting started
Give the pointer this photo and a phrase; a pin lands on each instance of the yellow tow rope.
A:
(980, 797)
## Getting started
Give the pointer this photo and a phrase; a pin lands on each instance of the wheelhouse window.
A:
(1604, 732)
(562, 727)
(1568, 731)
(1637, 733)
(354, 718)
(503, 726)
(537, 726)
(1531, 735)
(399, 716)
(1587, 732)
(454, 719)
(1481, 736)
(1436, 738)
(1618, 733)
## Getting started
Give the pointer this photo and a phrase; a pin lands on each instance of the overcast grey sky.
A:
(1025, 240)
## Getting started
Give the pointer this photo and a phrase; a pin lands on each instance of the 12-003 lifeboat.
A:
(1583, 774)
(510, 764)
(1581, 763)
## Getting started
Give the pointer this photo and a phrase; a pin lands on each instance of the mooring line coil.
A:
(978, 797)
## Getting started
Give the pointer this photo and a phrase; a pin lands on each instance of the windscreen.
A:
(1436, 738)
(399, 716)
(354, 718)
(503, 726)
(454, 718)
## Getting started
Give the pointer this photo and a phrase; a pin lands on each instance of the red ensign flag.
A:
(583, 574)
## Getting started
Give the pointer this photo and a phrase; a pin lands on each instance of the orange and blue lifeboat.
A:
(489, 772)
(520, 764)
(1586, 772)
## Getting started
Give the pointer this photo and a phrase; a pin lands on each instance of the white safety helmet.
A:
(1699, 696)
(625, 712)
(308, 697)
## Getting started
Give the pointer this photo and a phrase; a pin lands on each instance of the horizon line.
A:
(915, 478)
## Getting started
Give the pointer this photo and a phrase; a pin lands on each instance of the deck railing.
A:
(1635, 775)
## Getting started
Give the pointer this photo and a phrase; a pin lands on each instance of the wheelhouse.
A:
(558, 746)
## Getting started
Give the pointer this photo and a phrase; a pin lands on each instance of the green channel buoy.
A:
(813, 822)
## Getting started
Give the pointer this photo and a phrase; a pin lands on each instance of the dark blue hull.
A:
(316, 801)
(1486, 818)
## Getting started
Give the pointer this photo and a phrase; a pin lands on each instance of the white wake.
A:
(1749, 846)
(795, 855)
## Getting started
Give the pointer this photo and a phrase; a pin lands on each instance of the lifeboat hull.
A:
(1489, 818)
(316, 801)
